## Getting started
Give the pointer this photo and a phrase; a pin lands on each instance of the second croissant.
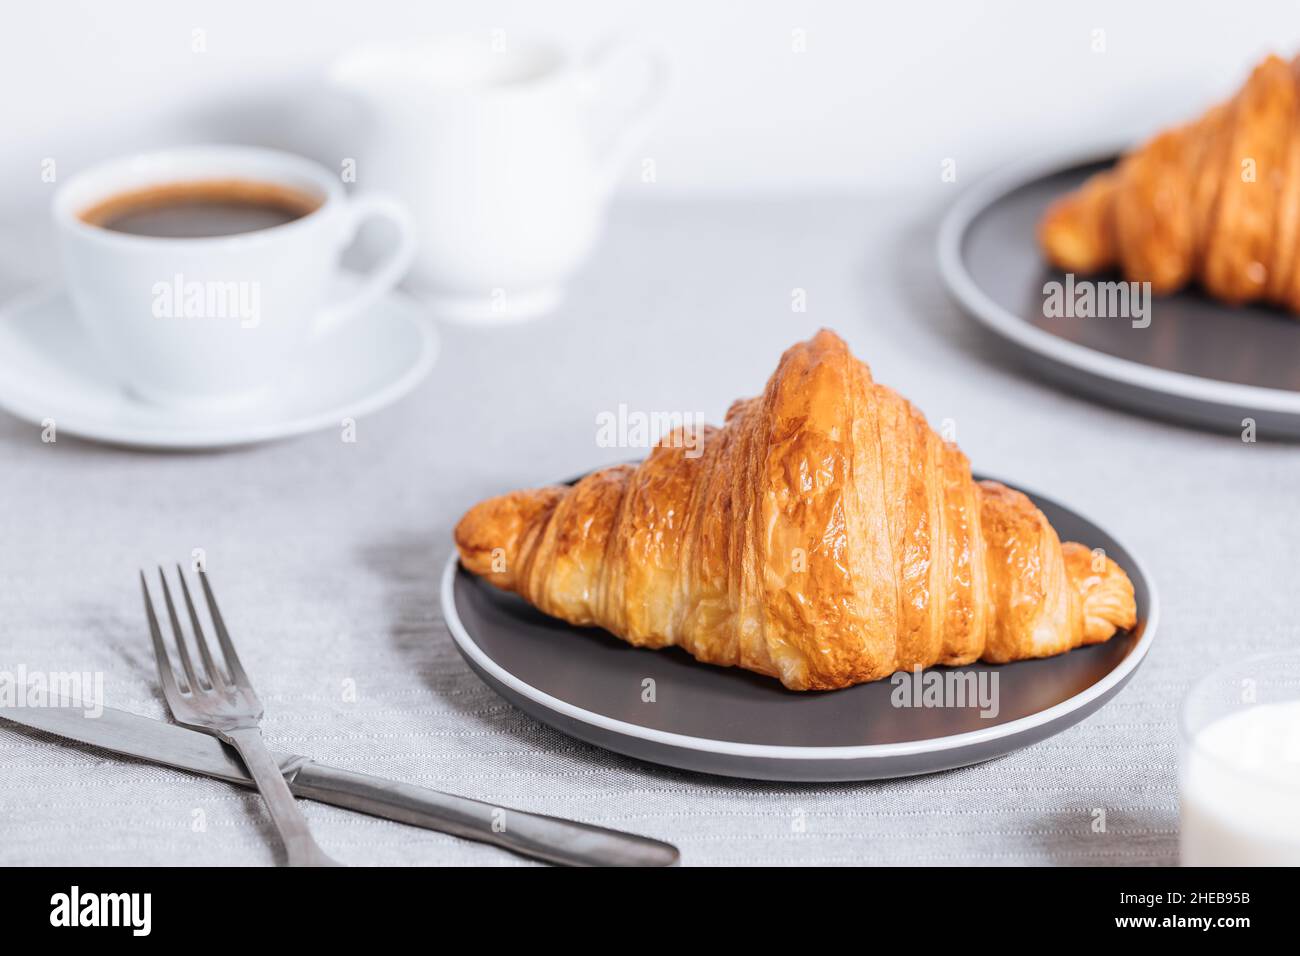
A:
(825, 536)
(1216, 202)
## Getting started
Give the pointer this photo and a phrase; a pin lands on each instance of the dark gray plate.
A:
(588, 683)
(1198, 361)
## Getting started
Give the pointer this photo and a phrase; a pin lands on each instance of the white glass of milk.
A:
(1239, 768)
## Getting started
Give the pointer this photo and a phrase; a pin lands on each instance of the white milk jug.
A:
(489, 144)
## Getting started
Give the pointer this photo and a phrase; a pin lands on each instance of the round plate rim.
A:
(1007, 324)
(865, 752)
(223, 436)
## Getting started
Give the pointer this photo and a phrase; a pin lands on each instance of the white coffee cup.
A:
(217, 319)
(490, 143)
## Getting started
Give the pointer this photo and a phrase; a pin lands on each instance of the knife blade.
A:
(551, 839)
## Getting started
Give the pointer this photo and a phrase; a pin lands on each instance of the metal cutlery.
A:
(224, 704)
(565, 842)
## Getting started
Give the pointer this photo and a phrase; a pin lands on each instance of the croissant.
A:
(824, 536)
(1216, 202)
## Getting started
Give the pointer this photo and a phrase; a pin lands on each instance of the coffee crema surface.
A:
(201, 209)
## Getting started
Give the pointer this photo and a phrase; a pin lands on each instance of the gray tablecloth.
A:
(326, 556)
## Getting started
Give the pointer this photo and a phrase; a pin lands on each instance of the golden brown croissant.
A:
(825, 536)
(1216, 201)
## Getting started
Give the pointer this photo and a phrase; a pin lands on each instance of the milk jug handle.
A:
(635, 123)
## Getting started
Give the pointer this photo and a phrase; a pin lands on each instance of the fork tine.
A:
(168, 677)
(186, 663)
(215, 677)
(223, 637)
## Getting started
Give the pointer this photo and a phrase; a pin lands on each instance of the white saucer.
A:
(52, 372)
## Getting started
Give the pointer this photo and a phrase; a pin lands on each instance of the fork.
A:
(225, 705)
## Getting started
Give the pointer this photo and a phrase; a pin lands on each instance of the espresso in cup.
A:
(205, 274)
(201, 209)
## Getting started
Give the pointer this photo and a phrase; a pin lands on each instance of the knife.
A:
(541, 837)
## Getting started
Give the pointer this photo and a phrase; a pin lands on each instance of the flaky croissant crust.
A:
(825, 536)
(1216, 201)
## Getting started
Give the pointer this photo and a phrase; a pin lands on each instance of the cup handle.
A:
(637, 120)
(385, 274)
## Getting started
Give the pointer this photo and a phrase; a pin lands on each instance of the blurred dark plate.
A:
(720, 720)
(1198, 361)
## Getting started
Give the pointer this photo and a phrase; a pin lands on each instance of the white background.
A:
(884, 92)
(883, 95)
